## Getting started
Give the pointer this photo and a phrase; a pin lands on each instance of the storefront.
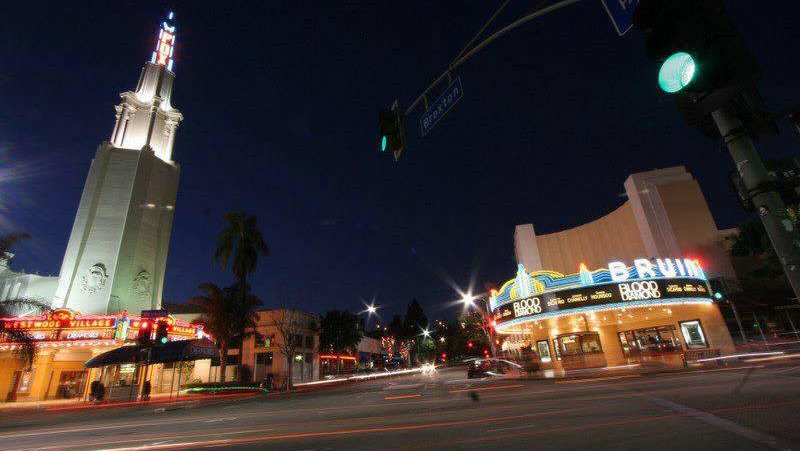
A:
(65, 340)
(653, 312)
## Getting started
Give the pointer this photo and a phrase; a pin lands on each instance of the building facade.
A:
(665, 215)
(115, 259)
(264, 349)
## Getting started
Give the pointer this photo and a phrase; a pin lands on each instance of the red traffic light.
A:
(469, 344)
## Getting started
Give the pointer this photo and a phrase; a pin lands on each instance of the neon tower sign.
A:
(165, 45)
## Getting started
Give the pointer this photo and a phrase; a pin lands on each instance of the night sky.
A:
(280, 101)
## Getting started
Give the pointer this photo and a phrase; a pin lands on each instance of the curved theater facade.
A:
(659, 310)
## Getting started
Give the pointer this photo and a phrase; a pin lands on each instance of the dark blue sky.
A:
(280, 100)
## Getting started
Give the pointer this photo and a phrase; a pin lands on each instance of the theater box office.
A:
(659, 311)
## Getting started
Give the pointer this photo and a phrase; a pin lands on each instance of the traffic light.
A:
(145, 332)
(705, 62)
(161, 333)
(391, 137)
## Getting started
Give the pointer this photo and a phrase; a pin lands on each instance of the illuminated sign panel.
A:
(547, 293)
(64, 325)
(612, 293)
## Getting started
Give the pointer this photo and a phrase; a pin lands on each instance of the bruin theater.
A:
(658, 311)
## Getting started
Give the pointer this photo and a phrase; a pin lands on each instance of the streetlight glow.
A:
(467, 299)
(426, 333)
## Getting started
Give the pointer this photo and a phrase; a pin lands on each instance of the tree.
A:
(290, 324)
(243, 316)
(25, 351)
(218, 319)
(10, 239)
(395, 327)
(415, 321)
(339, 332)
(240, 245)
(413, 325)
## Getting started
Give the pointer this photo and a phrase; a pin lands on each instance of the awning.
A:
(173, 351)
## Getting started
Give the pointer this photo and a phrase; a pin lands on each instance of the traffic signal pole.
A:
(781, 230)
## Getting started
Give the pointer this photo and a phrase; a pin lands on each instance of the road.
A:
(756, 407)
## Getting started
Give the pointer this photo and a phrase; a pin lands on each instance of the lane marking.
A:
(581, 381)
(405, 427)
(487, 388)
(412, 395)
(582, 427)
(726, 425)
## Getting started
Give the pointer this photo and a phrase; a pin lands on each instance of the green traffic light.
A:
(383, 143)
(676, 72)
(164, 340)
(718, 295)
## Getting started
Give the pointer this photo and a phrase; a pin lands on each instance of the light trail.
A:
(414, 395)
(487, 388)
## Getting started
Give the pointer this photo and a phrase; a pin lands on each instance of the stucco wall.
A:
(614, 236)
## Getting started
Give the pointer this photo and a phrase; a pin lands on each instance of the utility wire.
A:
(462, 59)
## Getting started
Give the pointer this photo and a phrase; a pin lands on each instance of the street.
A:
(725, 408)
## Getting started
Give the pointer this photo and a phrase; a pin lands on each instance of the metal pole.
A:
(487, 318)
(782, 233)
(764, 337)
(180, 372)
(738, 321)
(789, 317)
(172, 382)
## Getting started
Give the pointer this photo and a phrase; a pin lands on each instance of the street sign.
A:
(621, 14)
(441, 106)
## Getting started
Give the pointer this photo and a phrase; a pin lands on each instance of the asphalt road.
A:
(714, 409)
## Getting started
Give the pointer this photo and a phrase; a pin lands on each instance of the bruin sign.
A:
(600, 294)
(663, 267)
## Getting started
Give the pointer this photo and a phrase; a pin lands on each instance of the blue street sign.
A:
(621, 13)
(441, 106)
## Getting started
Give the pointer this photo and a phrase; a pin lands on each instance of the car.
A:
(479, 368)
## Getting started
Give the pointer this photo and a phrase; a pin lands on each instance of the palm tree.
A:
(241, 243)
(25, 351)
(10, 239)
(218, 319)
(243, 315)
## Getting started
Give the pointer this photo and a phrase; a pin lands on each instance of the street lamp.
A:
(426, 333)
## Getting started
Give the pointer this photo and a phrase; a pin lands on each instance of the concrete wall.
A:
(612, 237)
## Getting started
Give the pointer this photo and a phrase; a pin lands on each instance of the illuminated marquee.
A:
(64, 325)
(544, 294)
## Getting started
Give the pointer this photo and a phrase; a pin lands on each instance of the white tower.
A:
(117, 250)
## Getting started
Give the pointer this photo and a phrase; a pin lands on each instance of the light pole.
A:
(468, 299)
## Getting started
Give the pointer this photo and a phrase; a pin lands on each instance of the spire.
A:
(165, 44)
(146, 117)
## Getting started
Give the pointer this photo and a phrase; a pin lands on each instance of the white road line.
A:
(735, 428)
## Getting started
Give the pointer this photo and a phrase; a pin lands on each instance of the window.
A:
(298, 340)
(693, 334)
(264, 358)
(309, 342)
(232, 360)
(579, 344)
(309, 357)
(650, 341)
(544, 351)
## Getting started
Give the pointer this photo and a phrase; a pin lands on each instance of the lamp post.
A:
(468, 299)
